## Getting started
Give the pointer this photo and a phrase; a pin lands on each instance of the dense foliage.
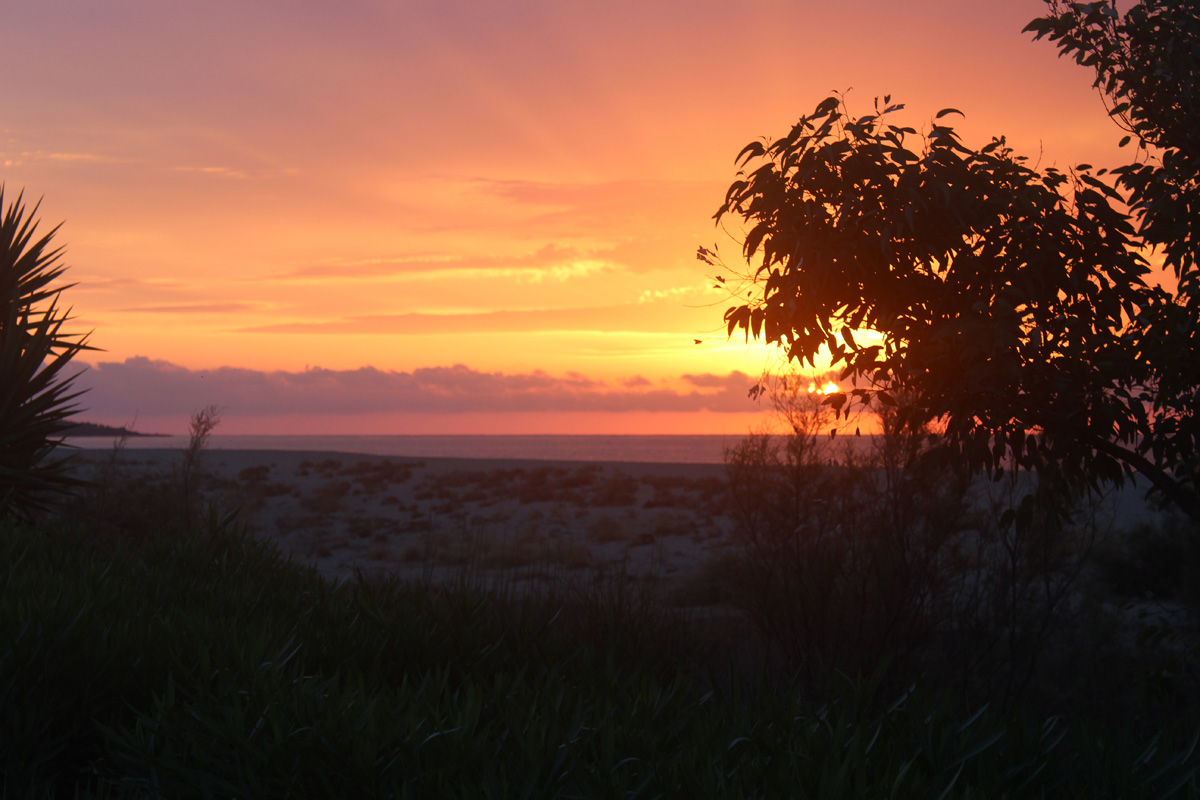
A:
(1011, 302)
(1146, 63)
(206, 666)
(36, 396)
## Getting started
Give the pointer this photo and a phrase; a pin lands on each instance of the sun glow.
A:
(380, 247)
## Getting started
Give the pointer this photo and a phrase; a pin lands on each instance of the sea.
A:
(662, 449)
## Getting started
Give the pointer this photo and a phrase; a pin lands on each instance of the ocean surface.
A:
(678, 449)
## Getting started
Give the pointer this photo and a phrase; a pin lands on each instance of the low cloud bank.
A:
(158, 388)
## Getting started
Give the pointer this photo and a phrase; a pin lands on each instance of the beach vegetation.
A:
(970, 287)
(1159, 562)
(206, 664)
(37, 394)
(203, 422)
(149, 502)
(847, 555)
(196, 660)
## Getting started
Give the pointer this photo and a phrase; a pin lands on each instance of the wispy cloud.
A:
(92, 157)
(589, 197)
(550, 262)
(224, 172)
(32, 157)
(680, 292)
(191, 308)
(631, 317)
(99, 284)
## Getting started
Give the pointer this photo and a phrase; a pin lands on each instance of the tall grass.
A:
(147, 654)
(204, 665)
(141, 505)
(845, 559)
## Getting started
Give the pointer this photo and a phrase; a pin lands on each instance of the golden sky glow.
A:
(518, 188)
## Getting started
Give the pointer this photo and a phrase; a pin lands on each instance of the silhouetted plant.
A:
(1011, 302)
(210, 666)
(200, 429)
(1146, 59)
(36, 396)
(848, 557)
(825, 573)
(134, 504)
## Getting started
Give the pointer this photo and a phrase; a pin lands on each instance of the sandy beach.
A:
(661, 530)
(437, 520)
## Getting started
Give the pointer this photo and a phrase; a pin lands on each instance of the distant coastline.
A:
(107, 431)
(577, 448)
(673, 448)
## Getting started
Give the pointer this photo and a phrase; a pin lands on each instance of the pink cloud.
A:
(141, 386)
(711, 381)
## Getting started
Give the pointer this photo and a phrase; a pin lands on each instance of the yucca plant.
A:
(37, 397)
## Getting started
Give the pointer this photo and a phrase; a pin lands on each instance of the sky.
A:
(456, 216)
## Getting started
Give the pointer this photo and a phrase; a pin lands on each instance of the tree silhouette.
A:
(1146, 62)
(1011, 301)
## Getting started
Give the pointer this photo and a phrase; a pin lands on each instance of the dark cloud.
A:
(158, 388)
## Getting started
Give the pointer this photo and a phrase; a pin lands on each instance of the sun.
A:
(829, 388)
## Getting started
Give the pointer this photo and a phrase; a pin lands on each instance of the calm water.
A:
(655, 449)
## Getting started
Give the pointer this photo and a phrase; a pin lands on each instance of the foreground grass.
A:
(208, 666)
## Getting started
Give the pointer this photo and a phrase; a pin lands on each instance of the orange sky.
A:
(437, 202)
